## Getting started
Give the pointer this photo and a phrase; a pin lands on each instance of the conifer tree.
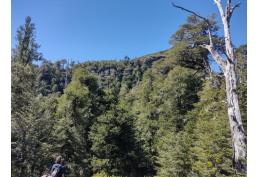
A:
(179, 94)
(77, 110)
(211, 149)
(23, 95)
(114, 144)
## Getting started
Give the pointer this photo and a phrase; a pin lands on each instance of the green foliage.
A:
(187, 40)
(77, 110)
(157, 115)
(32, 147)
(26, 50)
(144, 108)
(211, 149)
(160, 104)
(179, 93)
(241, 54)
(113, 143)
(102, 174)
(174, 157)
(194, 31)
(26, 138)
(53, 77)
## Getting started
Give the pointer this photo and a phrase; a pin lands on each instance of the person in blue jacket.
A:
(58, 169)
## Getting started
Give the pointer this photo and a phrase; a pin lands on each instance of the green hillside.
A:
(163, 114)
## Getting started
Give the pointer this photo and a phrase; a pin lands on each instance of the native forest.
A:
(165, 114)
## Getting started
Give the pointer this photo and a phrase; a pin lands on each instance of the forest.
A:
(160, 115)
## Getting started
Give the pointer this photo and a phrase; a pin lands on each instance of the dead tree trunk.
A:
(228, 66)
(237, 131)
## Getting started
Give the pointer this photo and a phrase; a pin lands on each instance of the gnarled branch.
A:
(226, 24)
(230, 9)
(190, 11)
(199, 16)
(215, 55)
(233, 8)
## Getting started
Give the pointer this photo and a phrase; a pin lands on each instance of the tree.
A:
(77, 110)
(26, 50)
(241, 69)
(178, 95)
(53, 77)
(22, 105)
(174, 155)
(228, 67)
(144, 108)
(114, 144)
(211, 148)
(160, 103)
(185, 41)
(23, 98)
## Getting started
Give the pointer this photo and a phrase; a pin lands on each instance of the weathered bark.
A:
(238, 135)
(237, 131)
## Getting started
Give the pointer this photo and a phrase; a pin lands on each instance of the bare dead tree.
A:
(228, 66)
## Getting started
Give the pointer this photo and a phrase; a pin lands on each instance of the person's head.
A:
(62, 161)
(59, 159)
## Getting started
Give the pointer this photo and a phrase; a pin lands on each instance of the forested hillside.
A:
(162, 114)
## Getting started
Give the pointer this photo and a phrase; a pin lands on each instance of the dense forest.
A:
(162, 114)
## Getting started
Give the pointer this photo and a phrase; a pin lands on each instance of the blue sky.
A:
(111, 29)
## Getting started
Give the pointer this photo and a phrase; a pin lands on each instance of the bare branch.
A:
(215, 55)
(228, 9)
(210, 37)
(228, 3)
(234, 7)
(231, 9)
(221, 11)
(190, 11)
(199, 16)
(226, 25)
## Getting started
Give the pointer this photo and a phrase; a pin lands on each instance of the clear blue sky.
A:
(111, 29)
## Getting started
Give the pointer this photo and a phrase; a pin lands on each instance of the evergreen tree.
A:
(241, 54)
(53, 77)
(77, 110)
(178, 95)
(144, 108)
(114, 145)
(174, 157)
(211, 149)
(26, 50)
(23, 99)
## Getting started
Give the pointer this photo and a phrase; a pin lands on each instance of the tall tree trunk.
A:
(236, 126)
(228, 67)
(237, 131)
